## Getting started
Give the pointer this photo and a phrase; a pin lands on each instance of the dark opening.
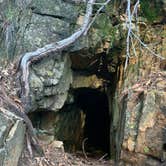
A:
(164, 147)
(64, 125)
(97, 123)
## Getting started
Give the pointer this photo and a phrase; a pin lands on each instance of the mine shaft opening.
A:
(94, 104)
(85, 118)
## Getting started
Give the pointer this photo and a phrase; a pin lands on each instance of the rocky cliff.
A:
(75, 89)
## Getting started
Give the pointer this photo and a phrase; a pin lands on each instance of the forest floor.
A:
(55, 156)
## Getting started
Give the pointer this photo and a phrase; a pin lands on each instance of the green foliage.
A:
(151, 10)
(146, 149)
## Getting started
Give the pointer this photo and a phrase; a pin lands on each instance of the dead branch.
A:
(102, 157)
(129, 26)
(97, 14)
(145, 46)
(132, 35)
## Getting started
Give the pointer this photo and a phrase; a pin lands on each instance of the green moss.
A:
(104, 26)
(151, 10)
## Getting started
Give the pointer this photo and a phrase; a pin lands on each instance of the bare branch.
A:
(135, 9)
(97, 13)
(128, 24)
(131, 35)
(144, 45)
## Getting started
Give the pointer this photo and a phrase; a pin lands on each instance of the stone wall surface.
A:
(12, 132)
(137, 97)
(142, 97)
(31, 24)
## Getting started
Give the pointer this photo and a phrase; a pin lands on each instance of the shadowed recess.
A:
(95, 105)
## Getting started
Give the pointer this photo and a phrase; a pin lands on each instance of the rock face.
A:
(31, 24)
(82, 81)
(12, 132)
(50, 81)
(136, 96)
(66, 121)
(28, 25)
(141, 109)
(145, 126)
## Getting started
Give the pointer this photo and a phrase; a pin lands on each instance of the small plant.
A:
(146, 149)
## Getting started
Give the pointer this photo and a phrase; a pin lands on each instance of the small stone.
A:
(57, 144)
(131, 144)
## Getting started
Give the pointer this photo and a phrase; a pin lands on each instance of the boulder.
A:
(50, 81)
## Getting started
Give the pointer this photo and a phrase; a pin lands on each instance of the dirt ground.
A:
(56, 156)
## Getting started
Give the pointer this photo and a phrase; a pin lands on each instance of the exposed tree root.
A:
(12, 107)
(83, 148)
(30, 57)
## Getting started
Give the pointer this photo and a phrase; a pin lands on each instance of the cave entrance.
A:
(85, 118)
(94, 104)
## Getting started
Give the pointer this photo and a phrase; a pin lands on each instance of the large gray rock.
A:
(30, 24)
(27, 25)
(12, 132)
(50, 81)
